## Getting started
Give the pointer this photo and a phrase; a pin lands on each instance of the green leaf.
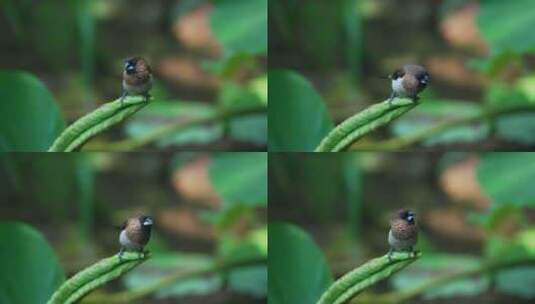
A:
(163, 264)
(250, 280)
(508, 25)
(252, 128)
(517, 127)
(29, 117)
(368, 120)
(518, 281)
(241, 25)
(507, 178)
(30, 269)
(432, 265)
(96, 275)
(53, 31)
(159, 113)
(298, 271)
(240, 178)
(298, 118)
(97, 121)
(51, 195)
(433, 112)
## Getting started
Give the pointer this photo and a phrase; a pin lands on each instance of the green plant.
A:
(355, 127)
(95, 276)
(30, 269)
(373, 271)
(74, 136)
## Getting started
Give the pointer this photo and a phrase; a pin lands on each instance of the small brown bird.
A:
(403, 233)
(408, 81)
(137, 78)
(135, 234)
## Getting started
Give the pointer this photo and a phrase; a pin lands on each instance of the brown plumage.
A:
(409, 81)
(403, 233)
(137, 77)
(141, 73)
(135, 233)
(401, 228)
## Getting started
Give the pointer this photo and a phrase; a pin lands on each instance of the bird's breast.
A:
(397, 86)
(137, 88)
(127, 243)
(399, 244)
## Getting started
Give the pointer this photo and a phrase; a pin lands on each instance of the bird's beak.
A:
(148, 222)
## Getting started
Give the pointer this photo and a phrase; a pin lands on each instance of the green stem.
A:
(95, 276)
(101, 119)
(407, 294)
(131, 144)
(136, 294)
(424, 134)
(364, 122)
(354, 282)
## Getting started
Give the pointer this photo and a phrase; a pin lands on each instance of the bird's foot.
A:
(147, 97)
(390, 253)
(415, 99)
(120, 254)
(123, 97)
(143, 254)
(391, 98)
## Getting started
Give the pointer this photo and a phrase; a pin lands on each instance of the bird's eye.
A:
(424, 78)
(130, 68)
(148, 222)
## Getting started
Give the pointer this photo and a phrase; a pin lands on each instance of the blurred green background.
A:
(329, 213)
(61, 59)
(61, 213)
(326, 60)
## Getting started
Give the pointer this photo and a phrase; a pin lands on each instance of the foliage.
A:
(65, 52)
(30, 269)
(236, 33)
(507, 25)
(432, 265)
(298, 271)
(513, 183)
(240, 178)
(297, 116)
(30, 118)
(435, 112)
(96, 275)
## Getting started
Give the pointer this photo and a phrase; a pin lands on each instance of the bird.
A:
(135, 234)
(137, 78)
(409, 81)
(403, 233)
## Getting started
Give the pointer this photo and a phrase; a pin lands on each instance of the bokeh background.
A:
(326, 61)
(61, 59)
(329, 213)
(209, 209)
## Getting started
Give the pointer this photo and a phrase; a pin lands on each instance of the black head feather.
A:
(130, 65)
(407, 215)
(146, 222)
